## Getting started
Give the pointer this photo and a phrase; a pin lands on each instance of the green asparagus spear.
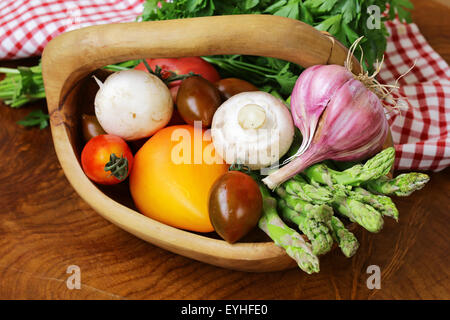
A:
(358, 212)
(317, 232)
(383, 204)
(283, 236)
(307, 192)
(345, 201)
(402, 185)
(292, 187)
(320, 212)
(345, 239)
(320, 195)
(374, 168)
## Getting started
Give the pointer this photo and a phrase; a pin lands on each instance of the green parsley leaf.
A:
(331, 24)
(290, 10)
(250, 4)
(35, 118)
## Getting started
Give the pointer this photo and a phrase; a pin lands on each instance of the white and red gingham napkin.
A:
(421, 133)
(26, 26)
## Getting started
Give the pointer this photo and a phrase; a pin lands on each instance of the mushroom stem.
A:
(251, 116)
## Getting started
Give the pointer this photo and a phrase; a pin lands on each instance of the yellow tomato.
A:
(172, 175)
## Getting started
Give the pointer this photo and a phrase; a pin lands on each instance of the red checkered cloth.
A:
(27, 25)
(421, 133)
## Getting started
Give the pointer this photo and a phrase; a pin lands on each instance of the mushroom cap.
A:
(254, 147)
(133, 104)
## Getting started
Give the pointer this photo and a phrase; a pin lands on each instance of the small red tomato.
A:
(106, 159)
(182, 66)
(235, 205)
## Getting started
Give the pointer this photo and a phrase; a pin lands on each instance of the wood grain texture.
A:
(432, 17)
(45, 227)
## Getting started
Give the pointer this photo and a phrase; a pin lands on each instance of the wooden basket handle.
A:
(73, 55)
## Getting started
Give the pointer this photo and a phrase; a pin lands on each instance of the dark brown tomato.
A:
(91, 127)
(231, 86)
(198, 100)
(235, 205)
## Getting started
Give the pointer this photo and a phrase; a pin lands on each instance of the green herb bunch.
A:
(344, 19)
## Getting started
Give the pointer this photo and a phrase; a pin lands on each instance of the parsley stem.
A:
(9, 70)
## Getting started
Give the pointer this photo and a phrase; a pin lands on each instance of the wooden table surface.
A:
(45, 227)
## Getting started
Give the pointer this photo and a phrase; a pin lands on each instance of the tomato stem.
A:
(239, 167)
(117, 166)
(172, 77)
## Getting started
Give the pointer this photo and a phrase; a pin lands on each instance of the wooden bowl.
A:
(69, 59)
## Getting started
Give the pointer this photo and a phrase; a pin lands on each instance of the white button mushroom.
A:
(252, 128)
(133, 104)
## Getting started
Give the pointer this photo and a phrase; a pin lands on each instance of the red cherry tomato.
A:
(182, 66)
(105, 152)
